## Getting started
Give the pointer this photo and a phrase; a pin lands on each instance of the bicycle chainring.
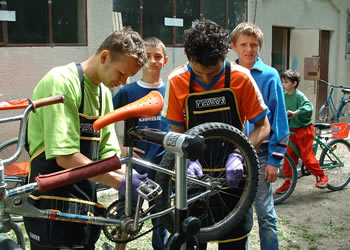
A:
(115, 233)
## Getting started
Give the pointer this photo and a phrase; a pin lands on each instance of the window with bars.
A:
(147, 16)
(44, 22)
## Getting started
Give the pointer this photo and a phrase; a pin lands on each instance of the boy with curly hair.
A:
(205, 74)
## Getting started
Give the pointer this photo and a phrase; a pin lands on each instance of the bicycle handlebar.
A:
(31, 106)
(333, 86)
(69, 176)
(47, 101)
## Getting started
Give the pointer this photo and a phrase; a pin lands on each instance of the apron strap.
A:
(227, 74)
(81, 79)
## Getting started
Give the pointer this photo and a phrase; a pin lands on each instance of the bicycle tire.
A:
(279, 198)
(220, 140)
(8, 244)
(338, 176)
(345, 111)
(323, 113)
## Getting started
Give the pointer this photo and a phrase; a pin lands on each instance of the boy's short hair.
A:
(125, 42)
(292, 75)
(206, 43)
(247, 28)
(154, 42)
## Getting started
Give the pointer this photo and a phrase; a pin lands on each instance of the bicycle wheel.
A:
(280, 197)
(338, 171)
(345, 111)
(15, 173)
(323, 113)
(220, 211)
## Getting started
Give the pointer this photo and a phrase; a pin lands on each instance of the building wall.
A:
(312, 15)
(21, 68)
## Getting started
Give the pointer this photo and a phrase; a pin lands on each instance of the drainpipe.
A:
(334, 5)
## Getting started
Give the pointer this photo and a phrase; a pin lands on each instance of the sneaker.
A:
(284, 187)
(321, 181)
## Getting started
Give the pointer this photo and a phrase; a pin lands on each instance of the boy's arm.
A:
(260, 132)
(177, 129)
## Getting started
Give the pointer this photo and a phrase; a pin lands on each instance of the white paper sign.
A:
(7, 15)
(178, 22)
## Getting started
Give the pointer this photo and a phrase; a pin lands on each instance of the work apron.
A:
(79, 198)
(217, 106)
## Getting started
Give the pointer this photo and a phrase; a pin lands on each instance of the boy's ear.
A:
(103, 56)
(165, 61)
(233, 47)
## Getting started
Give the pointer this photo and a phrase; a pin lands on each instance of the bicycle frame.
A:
(330, 105)
(318, 143)
(15, 201)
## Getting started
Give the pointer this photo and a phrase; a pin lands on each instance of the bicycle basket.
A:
(340, 130)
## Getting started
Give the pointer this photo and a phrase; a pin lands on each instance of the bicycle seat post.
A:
(184, 147)
(129, 143)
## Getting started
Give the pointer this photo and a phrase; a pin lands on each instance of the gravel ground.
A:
(311, 218)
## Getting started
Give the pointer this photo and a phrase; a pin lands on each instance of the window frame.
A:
(174, 44)
(4, 43)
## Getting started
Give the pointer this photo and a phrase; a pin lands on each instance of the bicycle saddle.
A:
(322, 125)
(146, 106)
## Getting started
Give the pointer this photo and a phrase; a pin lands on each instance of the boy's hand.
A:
(271, 173)
(234, 170)
(291, 114)
(136, 181)
(194, 168)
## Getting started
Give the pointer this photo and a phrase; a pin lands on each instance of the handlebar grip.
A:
(48, 101)
(73, 175)
(194, 147)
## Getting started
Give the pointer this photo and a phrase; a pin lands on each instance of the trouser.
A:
(303, 140)
(265, 211)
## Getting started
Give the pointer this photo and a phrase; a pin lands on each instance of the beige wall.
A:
(22, 67)
(297, 55)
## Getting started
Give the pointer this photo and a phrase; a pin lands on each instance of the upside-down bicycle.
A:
(219, 140)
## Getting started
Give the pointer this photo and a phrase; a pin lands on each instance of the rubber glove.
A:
(194, 168)
(136, 181)
(234, 170)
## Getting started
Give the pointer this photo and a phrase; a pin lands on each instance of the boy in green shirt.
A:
(299, 111)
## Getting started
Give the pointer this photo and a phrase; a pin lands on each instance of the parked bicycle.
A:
(334, 159)
(329, 108)
(122, 223)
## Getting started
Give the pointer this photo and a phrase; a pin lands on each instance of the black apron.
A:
(76, 198)
(217, 106)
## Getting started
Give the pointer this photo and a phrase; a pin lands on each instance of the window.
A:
(348, 35)
(44, 22)
(280, 48)
(148, 20)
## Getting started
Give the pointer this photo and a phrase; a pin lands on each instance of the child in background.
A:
(299, 111)
(151, 80)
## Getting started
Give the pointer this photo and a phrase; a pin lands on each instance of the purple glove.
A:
(136, 181)
(194, 168)
(234, 170)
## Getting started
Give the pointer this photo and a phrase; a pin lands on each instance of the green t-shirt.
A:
(56, 127)
(298, 101)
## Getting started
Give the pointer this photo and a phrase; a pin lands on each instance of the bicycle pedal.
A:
(149, 190)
